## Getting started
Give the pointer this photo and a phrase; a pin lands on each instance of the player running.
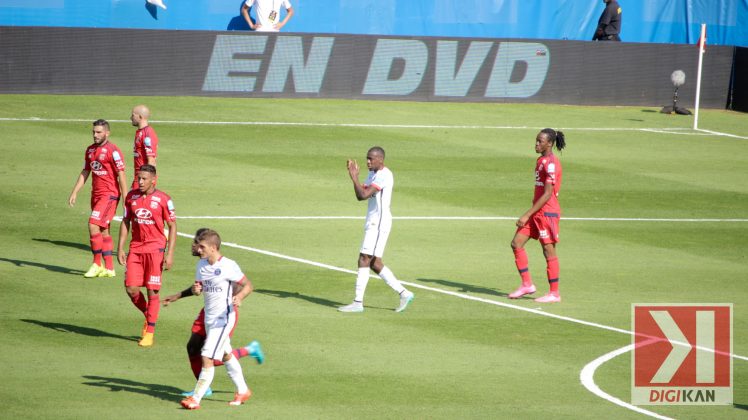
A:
(146, 211)
(197, 339)
(216, 277)
(541, 220)
(104, 159)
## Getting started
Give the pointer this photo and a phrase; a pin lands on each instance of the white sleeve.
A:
(234, 272)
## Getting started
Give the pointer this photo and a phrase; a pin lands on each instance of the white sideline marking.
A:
(587, 371)
(674, 130)
(587, 377)
(591, 219)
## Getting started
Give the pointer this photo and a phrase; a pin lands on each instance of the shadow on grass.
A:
(295, 295)
(465, 288)
(741, 406)
(67, 328)
(83, 247)
(55, 268)
(163, 392)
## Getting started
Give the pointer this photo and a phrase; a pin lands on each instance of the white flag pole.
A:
(702, 44)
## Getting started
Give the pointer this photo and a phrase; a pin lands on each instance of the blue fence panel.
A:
(661, 21)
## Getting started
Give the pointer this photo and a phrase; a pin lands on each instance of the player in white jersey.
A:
(378, 190)
(215, 278)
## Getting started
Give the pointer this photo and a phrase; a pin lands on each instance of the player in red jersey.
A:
(541, 220)
(197, 339)
(103, 159)
(145, 148)
(146, 211)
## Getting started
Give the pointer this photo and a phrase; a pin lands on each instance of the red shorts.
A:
(144, 270)
(198, 327)
(103, 209)
(541, 226)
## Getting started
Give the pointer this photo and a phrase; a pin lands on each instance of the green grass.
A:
(68, 344)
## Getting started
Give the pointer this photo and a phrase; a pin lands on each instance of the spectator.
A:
(268, 14)
(609, 24)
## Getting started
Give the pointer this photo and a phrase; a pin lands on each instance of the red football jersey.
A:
(548, 169)
(146, 145)
(147, 215)
(104, 161)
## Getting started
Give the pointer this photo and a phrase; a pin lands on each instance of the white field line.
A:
(591, 219)
(445, 292)
(587, 373)
(587, 377)
(674, 130)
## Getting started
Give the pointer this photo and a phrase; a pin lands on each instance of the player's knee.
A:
(364, 260)
(515, 245)
(376, 264)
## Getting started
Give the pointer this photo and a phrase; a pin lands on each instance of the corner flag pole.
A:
(702, 47)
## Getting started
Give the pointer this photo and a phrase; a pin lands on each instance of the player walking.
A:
(541, 220)
(104, 159)
(145, 147)
(146, 211)
(197, 339)
(378, 190)
(216, 277)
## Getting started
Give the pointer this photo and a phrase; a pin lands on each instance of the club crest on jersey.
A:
(154, 205)
(217, 272)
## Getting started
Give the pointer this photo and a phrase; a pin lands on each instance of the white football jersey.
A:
(218, 288)
(379, 215)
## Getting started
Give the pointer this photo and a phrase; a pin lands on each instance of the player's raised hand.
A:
(353, 168)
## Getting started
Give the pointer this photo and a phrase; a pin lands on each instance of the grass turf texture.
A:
(69, 343)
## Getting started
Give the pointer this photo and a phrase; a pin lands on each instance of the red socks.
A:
(154, 305)
(106, 252)
(552, 271)
(520, 259)
(96, 245)
(196, 363)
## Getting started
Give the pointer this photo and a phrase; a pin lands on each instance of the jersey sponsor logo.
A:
(144, 217)
(147, 142)
(543, 234)
(209, 287)
(116, 156)
(154, 280)
(170, 205)
(96, 165)
(96, 214)
(551, 168)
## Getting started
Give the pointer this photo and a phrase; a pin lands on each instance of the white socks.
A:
(361, 281)
(234, 370)
(203, 382)
(389, 277)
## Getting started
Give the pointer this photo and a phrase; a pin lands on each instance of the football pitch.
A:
(653, 212)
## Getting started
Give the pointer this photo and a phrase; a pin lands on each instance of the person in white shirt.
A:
(267, 13)
(215, 278)
(378, 190)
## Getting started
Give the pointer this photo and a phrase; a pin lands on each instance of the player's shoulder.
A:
(132, 195)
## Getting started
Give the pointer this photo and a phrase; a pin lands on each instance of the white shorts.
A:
(374, 241)
(217, 341)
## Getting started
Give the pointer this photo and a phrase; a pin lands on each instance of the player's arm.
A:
(172, 241)
(242, 284)
(547, 194)
(245, 13)
(82, 177)
(363, 192)
(124, 229)
(122, 182)
(289, 13)
(244, 292)
(176, 296)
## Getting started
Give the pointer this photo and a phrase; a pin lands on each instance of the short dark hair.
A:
(103, 123)
(148, 168)
(211, 236)
(377, 149)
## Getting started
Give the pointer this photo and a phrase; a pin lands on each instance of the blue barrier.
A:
(658, 21)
